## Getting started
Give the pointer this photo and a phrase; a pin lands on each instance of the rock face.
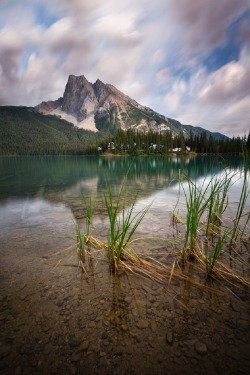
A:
(47, 107)
(79, 98)
(101, 106)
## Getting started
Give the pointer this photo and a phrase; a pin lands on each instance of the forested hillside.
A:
(24, 131)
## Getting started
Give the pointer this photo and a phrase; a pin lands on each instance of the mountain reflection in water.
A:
(64, 179)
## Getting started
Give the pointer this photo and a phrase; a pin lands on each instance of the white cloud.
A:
(118, 27)
(172, 100)
(163, 75)
(205, 22)
(224, 84)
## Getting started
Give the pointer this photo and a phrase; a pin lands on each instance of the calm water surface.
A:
(55, 320)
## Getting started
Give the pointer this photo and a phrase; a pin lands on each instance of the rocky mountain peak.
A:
(102, 91)
(103, 107)
(79, 97)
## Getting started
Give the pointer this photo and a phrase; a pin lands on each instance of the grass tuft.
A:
(241, 205)
(205, 237)
(122, 226)
(89, 204)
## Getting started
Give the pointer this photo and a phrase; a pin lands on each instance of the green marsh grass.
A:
(122, 226)
(217, 203)
(80, 243)
(89, 204)
(196, 205)
(205, 237)
(84, 238)
(241, 205)
(80, 247)
(205, 205)
(212, 252)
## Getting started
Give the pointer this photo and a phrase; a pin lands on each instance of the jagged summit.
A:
(101, 106)
(79, 98)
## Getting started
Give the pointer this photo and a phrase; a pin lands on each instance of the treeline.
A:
(23, 131)
(163, 143)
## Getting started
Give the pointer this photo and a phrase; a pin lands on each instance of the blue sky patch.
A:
(229, 51)
(221, 56)
(44, 16)
(25, 58)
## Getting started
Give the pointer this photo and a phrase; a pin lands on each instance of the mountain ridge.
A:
(102, 107)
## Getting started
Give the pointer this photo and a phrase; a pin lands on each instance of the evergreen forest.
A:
(23, 131)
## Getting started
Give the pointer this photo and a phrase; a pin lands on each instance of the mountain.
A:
(102, 107)
(86, 116)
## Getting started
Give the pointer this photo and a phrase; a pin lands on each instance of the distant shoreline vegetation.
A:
(25, 132)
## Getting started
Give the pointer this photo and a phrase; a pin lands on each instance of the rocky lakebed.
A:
(57, 320)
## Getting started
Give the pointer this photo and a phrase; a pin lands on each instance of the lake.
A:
(57, 319)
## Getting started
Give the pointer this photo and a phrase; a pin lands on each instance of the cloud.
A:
(229, 82)
(205, 22)
(163, 75)
(10, 51)
(218, 101)
(154, 52)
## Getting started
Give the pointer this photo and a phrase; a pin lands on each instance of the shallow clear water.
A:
(54, 319)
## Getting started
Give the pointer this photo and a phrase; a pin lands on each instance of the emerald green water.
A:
(26, 176)
(55, 319)
(30, 186)
(63, 179)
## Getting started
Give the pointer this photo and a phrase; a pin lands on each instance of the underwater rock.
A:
(200, 347)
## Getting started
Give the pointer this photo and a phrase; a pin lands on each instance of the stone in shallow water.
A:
(74, 342)
(124, 327)
(200, 348)
(142, 323)
(76, 357)
(84, 346)
(153, 326)
(169, 337)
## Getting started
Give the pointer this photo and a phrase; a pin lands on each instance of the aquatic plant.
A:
(241, 205)
(196, 205)
(210, 199)
(122, 226)
(205, 234)
(80, 242)
(80, 246)
(89, 204)
(212, 253)
(204, 239)
(217, 202)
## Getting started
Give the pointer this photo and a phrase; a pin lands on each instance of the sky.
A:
(186, 59)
